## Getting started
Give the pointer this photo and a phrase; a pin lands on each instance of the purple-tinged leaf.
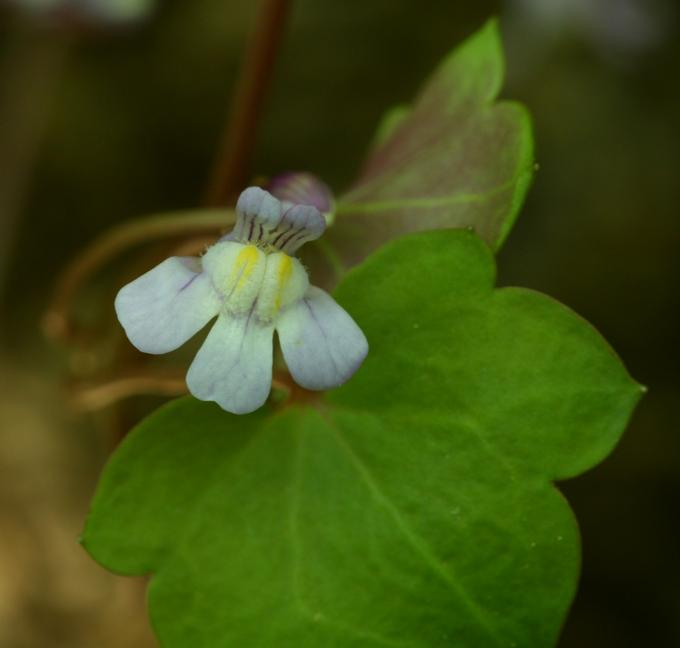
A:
(457, 159)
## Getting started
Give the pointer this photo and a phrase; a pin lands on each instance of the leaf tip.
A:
(492, 27)
(476, 67)
(489, 38)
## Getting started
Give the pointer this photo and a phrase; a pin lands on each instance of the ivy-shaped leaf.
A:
(412, 507)
(458, 158)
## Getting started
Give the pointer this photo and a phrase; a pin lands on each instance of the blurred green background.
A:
(99, 126)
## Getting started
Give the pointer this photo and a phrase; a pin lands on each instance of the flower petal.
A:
(321, 343)
(234, 365)
(263, 219)
(166, 306)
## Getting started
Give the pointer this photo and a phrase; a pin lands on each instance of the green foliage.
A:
(411, 507)
(457, 158)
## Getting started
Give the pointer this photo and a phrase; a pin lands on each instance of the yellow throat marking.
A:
(246, 262)
(283, 273)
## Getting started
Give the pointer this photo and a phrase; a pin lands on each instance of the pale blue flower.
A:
(254, 285)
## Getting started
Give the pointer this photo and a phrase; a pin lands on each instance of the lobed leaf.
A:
(457, 158)
(412, 507)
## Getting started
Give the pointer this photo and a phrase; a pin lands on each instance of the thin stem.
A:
(57, 322)
(96, 395)
(231, 169)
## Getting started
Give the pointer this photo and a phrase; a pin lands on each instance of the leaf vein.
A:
(349, 208)
(415, 540)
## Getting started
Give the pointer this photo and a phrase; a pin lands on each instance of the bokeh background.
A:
(100, 124)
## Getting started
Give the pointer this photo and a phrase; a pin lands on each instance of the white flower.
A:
(254, 285)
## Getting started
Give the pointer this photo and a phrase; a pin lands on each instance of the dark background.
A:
(101, 126)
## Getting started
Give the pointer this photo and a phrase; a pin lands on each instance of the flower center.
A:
(251, 281)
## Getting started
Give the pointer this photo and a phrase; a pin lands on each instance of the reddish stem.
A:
(231, 169)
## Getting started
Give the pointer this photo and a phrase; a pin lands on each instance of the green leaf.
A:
(412, 507)
(458, 158)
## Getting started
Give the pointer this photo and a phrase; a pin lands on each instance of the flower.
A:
(253, 283)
